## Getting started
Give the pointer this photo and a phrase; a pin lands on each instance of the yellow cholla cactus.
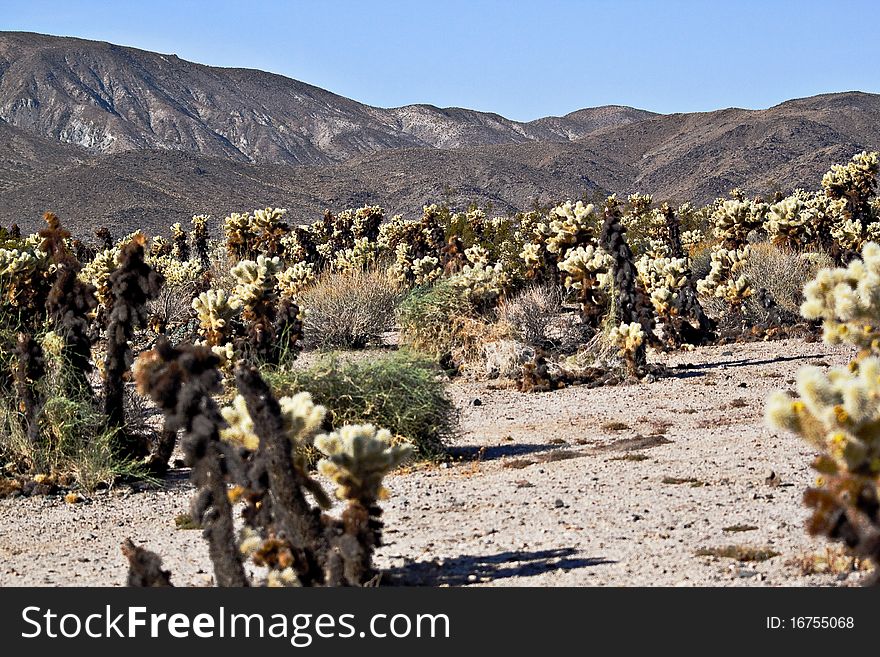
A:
(569, 223)
(627, 337)
(477, 255)
(788, 223)
(847, 300)
(725, 279)
(216, 309)
(691, 238)
(362, 255)
(97, 272)
(588, 266)
(302, 419)
(255, 278)
(357, 458)
(838, 412)
(858, 175)
(176, 273)
(735, 218)
(482, 284)
(295, 279)
(268, 217)
(662, 278)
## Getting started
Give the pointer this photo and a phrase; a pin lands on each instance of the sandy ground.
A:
(546, 492)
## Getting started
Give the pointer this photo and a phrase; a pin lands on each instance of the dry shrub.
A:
(349, 309)
(783, 273)
(398, 391)
(440, 322)
(537, 317)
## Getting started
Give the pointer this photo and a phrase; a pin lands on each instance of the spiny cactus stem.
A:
(295, 519)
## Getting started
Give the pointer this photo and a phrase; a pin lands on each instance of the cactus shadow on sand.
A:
(685, 371)
(494, 452)
(471, 569)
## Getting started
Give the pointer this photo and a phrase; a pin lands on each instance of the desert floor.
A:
(611, 486)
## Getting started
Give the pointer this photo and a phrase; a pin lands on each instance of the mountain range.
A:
(107, 134)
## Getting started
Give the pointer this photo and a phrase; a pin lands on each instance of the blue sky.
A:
(520, 59)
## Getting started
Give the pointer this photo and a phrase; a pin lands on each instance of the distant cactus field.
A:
(611, 354)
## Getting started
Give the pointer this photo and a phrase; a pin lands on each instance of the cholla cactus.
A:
(788, 223)
(98, 271)
(725, 279)
(692, 238)
(24, 275)
(847, 300)
(241, 236)
(425, 270)
(181, 243)
(477, 255)
(159, 246)
(200, 244)
(366, 222)
(547, 240)
(571, 225)
(132, 285)
(631, 302)
(364, 254)
(274, 327)
(852, 234)
(302, 419)
(663, 278)
(854, 182)
(176, 272)
(483, 284)
(587, 270)
(735, 218)
(255, 279)
(295, 279)
(807, 219)
(630, 340)
(357, 459)
(272, 230)
(839, 414)
(216, 310)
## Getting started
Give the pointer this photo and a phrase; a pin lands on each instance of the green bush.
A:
(400, 392)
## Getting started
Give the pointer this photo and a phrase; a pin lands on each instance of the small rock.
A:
(472, 578)
(558, 503)
(477, 402)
